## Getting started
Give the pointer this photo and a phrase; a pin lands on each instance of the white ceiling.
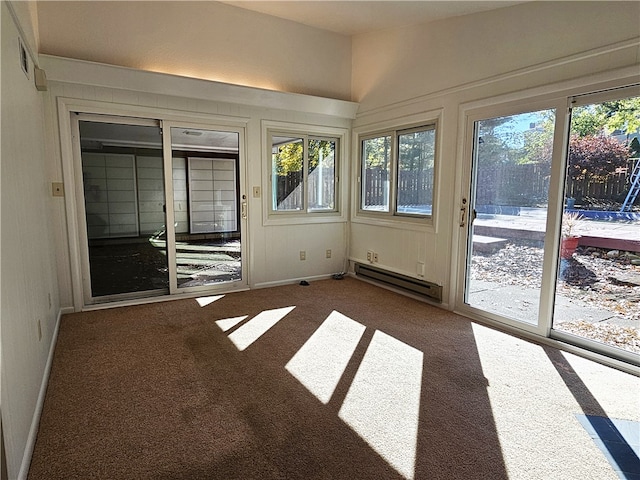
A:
(361, 16)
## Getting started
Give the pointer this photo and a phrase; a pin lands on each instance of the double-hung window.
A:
(397, 172)
(303, 173)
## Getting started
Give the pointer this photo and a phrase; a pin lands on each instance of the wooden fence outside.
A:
(501, 184)
(414, 188)
(321, 193)
(614, 189)
(528, 186)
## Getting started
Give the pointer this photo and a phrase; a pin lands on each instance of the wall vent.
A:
(403, 282)
(24, 57)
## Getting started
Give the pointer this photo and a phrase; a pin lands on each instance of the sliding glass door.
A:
(551, 221)
(161, 207)
(207, 207)
(597, 301)
(124, 199)
(509, 200)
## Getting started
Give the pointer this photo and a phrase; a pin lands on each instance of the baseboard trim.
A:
(279, 283)
(35, 422)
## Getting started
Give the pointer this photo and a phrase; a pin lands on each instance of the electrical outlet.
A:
(369, 256)
(420, 269)
(303, 255)
(57, 189)
(375, 257)
(328, 253)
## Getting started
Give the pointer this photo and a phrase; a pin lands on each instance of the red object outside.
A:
(568, 246)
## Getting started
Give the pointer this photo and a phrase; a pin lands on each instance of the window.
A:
(398, 171)
(303, 173)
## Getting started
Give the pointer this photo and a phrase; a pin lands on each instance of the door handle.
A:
(463, 216)
(244, 210)
(463, 212)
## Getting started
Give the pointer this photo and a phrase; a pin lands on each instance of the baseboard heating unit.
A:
(403, 282)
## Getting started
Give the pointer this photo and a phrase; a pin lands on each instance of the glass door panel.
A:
(124, 200)
(598, 280)
(206, 206)
(509, 198)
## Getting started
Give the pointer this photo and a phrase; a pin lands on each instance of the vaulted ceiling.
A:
(356, 16)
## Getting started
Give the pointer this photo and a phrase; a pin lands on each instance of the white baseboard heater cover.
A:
(409, 284)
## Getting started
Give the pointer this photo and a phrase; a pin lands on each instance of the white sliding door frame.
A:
(574, 102)
(167, 125)
(81, 218)
(561, 96)
(70, 112)
(554, 211)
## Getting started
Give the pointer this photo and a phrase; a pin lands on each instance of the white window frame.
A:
(306, 208)
(305, 132)
(431, 122)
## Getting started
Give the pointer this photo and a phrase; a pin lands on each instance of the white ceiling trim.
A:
(68, 70)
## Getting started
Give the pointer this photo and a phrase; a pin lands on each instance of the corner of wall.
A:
(35, 422)
(25, 16)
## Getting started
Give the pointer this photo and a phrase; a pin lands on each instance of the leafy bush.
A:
(595, 157)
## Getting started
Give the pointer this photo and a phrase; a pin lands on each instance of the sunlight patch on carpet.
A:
(257, 326)
(321, 361)
(204, 301)
(383, 402)
(228, 323)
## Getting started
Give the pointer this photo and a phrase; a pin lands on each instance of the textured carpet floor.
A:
(354, 382)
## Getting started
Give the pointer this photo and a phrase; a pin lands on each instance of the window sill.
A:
(303, 218)
(422, 224)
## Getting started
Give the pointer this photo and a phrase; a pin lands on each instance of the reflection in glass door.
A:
(509, 199)
(207, 207)
(597, 300)
(161, 208)
(124, 198)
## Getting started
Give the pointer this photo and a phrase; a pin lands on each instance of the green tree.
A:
(377, 152)
(498, 140)
(587, 120)
(416, 150)
(622, 115)
(606, 117)
(537, 146)
(289, 156)
(320, 150)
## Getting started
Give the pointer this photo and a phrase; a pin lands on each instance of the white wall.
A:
(26, 13)
(272, 249)
(212, 41)
(401, 74)
(29, 288)
(207, 40)
(401, 64)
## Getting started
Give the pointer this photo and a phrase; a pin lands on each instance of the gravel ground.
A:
(590, 276)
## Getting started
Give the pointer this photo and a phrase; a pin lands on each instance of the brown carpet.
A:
(160, 391)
